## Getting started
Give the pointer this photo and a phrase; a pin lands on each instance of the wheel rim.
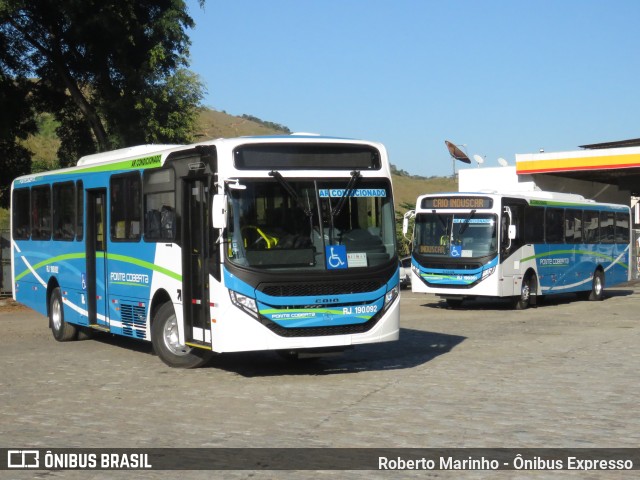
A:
(597, 285)
(171, 338)
(525, 293)
(56, 314)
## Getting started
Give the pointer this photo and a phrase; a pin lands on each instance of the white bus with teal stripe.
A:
(282, 243)
(521, 246)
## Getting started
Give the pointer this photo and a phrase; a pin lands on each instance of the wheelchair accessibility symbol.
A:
(336, 256)
(456, 250)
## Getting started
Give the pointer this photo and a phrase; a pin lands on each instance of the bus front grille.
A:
(451, 266)
(310, 289)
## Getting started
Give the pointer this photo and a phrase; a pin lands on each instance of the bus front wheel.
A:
(166, 342)
(597, 286)
(62, 331)
(528, 288)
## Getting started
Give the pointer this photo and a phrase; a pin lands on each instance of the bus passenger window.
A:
(622, 227)
(573, 226)
(41, 213)
(607, 227)
(554, 225)
(591, 226)
(159, 206)
(64, 211)
(125, 207)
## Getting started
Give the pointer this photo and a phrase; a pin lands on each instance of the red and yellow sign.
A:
(605, 159)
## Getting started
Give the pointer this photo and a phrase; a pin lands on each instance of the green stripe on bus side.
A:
(110, 256)
(128, 284)
(571, 252)
(143, 264)
(585, 206)
(556, 203)
(152, 161)
(59, 258)
(307, 310)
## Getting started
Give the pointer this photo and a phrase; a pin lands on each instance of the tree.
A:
(111, 71)
(16, 121)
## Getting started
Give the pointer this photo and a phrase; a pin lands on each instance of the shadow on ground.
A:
(415, 347)
(507, 304)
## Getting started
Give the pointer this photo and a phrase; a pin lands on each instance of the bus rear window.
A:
(21, 202)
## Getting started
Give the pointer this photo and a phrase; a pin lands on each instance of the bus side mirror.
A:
(512, 232)
(405, 221)
(219, 211)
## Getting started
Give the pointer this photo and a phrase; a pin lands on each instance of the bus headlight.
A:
(390, 296)
(244, 303)
(487, 272)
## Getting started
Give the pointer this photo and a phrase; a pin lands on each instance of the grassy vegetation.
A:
(213, 124)
(4, 219)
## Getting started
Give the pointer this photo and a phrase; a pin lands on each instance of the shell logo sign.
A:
(605, 159)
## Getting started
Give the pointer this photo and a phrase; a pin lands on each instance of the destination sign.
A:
(436, 203)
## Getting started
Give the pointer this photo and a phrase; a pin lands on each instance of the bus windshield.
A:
(468, 234)
(299, 223)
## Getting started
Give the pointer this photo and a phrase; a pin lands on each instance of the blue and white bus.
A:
(282, 243)
(520, 246)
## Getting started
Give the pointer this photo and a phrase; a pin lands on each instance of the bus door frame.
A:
(196, 232)
(96, 258)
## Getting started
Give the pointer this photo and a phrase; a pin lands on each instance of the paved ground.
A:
(564, 374)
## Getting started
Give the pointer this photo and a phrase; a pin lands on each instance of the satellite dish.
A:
(503, 162)
(456, 153)
(479, 160)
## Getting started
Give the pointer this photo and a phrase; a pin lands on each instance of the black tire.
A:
(164, 336)
(527, 289)
(62, 331)
(597, 286)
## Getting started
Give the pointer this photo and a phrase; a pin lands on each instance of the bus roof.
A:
(147, 156)
(123, 153)
(140, 150)
(551, 197)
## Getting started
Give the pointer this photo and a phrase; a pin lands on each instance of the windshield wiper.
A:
(292, 193)
(351, 186)
(464, 226)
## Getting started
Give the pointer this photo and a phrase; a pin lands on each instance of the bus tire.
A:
(597, 286)
(527, 289)
(62, 331)
(164, 337)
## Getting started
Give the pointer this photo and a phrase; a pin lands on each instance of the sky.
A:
(496, 77)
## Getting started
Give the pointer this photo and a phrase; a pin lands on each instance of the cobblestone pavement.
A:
(564, 374)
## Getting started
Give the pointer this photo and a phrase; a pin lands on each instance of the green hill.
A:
(213, 124)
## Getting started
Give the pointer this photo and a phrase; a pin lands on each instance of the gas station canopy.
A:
(615, 163)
